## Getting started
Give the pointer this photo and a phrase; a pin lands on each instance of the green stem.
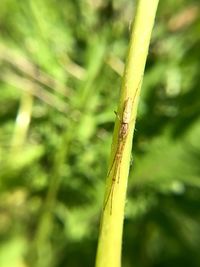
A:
(110, 238)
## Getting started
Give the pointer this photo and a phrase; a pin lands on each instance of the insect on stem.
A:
(122, 136)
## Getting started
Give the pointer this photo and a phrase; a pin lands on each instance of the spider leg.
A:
(113, 162)
(111, 197)
(110, 194)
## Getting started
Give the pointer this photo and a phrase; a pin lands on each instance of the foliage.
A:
(60, 66)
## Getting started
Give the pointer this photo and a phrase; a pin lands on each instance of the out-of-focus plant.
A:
(59, 79)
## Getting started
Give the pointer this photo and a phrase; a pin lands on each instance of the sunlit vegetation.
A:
(61, 64)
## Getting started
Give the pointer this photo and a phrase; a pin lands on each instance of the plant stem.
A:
(110, 238)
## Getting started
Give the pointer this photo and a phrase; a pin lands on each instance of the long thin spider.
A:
(123, 133)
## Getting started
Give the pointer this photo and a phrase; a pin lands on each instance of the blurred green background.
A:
(60, 73)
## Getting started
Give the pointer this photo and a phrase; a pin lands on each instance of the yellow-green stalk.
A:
(110, 237)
